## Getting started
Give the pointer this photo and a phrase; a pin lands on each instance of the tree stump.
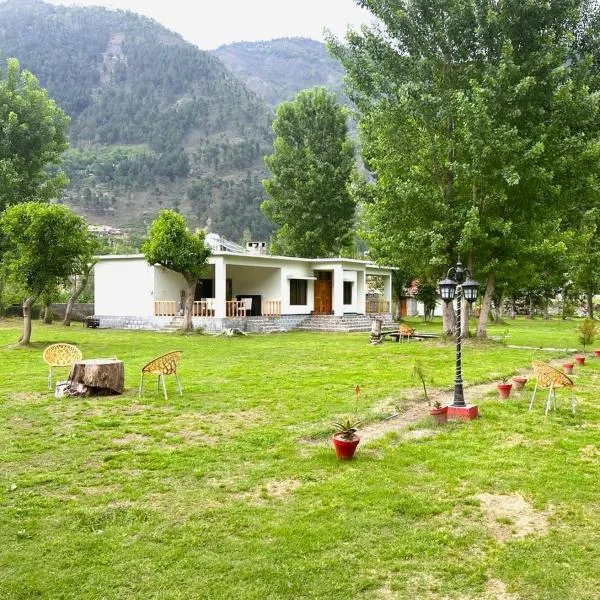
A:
(376, 337)
(96, 377)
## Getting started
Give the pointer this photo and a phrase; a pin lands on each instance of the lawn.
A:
(233, 490)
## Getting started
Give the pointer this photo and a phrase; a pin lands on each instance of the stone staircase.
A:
(347, 323)
(174, 324)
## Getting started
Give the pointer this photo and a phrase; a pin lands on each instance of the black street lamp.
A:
(458, 287)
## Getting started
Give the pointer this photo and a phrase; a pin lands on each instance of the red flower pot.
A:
(439, 415)
(504, 389)
(519, 382)
(345, 449)
(580, 360)
(596, 352)
(568, 367)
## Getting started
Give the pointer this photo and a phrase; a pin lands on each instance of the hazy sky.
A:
(210, 23)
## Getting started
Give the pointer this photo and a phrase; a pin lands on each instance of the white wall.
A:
(123, 287)
(297, 271)
(168, 284)
(352, 276)
(255, 281)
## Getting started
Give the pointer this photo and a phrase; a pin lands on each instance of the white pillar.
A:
(338, 291)
(220, 286)
(387, 289)
(361, 292)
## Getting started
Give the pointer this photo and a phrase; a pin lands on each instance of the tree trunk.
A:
(448, 318)
(513, 308)
(96, 377)
(464, 323)
(486, 305)
(530, 315)
(73, 299)
(189, 303)
(27, 304)
(500, 310)
(589, 296)
(47, 316)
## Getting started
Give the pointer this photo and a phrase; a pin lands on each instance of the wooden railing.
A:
(271, 308)
(235, 308)
(165, 308)
(375, 306)
(203, 308)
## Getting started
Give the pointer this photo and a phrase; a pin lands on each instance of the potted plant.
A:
(596, 352)
(568, 367)
(504, 388)
(519, 382)
(438, 412)
(345, 439)
(580, 360)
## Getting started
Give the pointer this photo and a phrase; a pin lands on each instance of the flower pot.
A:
(519, 382)
(345, 449)
(580, 360)
(504, 389)
(596, 352)
(568, 367)
(439, 415)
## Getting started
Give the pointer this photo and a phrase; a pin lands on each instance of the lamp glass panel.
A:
(447, 289)
(470, 290)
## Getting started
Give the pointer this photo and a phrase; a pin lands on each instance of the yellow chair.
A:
(547, 377)
(161, 366)
(60, 355)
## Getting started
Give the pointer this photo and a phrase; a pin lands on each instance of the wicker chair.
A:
(547, 377)
(60, 355)
(161, 366)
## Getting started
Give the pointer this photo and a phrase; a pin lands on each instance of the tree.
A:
(171, 244)
(82, 270)
(41, 245)
(311, 165)
(472, 117)
(34, 137)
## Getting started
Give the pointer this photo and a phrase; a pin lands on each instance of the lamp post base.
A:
(466, 413)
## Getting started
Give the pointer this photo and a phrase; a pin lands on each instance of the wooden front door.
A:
(323, 292)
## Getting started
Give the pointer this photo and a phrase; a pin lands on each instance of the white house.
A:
(240, 289)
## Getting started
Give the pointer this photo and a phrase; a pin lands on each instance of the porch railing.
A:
(235, 308)
(271, 308)
(376, 306)
(165, 308)
(203, 308)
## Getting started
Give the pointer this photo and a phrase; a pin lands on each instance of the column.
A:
(220, 286)
(338, 291)
(361, 292)
(387, 289)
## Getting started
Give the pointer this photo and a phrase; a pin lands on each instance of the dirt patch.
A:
(411, 414)
(193, 437)
(281, 489)
(496, 590)
(512, 516)
(131, 438)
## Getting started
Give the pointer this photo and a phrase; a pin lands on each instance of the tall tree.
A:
(33, 138)
(470, 113)
(41, 245)
(171, 244)
(311, 165)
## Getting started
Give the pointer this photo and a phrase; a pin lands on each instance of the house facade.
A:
(239, 289)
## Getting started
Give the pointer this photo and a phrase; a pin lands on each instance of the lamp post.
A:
(458, 284)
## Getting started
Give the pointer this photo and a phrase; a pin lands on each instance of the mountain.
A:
(155, 122)
(278, 69)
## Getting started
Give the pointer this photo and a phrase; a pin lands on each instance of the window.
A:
(298, 292)
(348, 292)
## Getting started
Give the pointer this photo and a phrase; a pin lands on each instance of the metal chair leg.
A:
(549, 400)
(141, 390)
(164, 385)
(574, 403)
(533, 396)
(178, 385)
(50, 379)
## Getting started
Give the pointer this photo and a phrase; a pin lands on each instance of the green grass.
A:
(233, 491)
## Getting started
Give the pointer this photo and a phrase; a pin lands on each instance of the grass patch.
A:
(232, 490)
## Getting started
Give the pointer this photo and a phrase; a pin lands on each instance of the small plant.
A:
(587, 332)
(437, 404)
(346, 429)
(419, 372)
(504, 380)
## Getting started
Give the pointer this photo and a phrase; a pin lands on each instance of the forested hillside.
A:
(156, 122)
(278, 69)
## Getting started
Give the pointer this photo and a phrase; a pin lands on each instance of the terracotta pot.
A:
(345, 449)
(580, 360)
(439, 415)
(504, 389)
(568, 367)
(519, 382)
(596, 352)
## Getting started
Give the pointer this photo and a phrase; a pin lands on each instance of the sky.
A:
(210, 23)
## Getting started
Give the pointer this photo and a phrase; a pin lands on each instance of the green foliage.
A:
(311, 166)
(587, 332)
(151, 116)
(418, 371)
(427, 294)
(171, 244)
(33, 137)
(346, 428)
